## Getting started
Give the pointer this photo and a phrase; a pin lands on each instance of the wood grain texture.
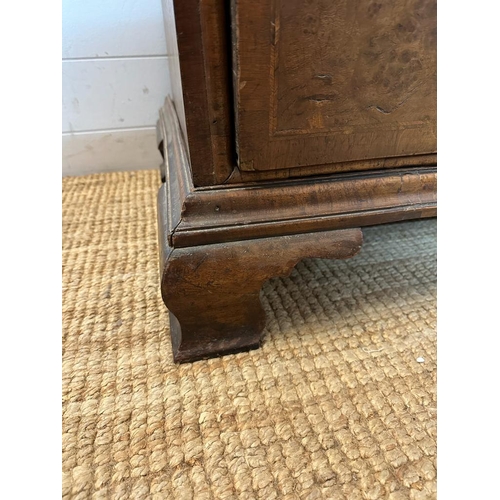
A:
(332, 87)
(212, 291)
(245, 176)
(324, 82)
(198, 40)
(218, 214)
(200, 74)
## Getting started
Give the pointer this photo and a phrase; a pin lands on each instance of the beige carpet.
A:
(334, 405)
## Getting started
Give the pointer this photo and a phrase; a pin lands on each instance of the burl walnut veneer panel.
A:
(326, 81)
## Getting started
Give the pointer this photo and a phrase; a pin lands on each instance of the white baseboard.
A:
(109, 151)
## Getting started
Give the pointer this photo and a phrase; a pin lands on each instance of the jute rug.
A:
(339, 403)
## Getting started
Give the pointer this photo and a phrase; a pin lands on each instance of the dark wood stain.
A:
(326, 82)
(252, 210)
(212, 291)
(332, 107)
(199, 73)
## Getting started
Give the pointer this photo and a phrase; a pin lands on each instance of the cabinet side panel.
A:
(196, 33)
(173, 62)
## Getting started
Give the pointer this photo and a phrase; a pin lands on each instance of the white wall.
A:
(115, 79)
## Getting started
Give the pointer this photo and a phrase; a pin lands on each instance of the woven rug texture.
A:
(339, 403)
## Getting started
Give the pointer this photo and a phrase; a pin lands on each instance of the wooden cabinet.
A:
(291, 125)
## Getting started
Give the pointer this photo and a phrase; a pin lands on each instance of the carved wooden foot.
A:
(212, 291)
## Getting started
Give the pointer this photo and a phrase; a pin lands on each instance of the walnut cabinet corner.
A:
(291, 125)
